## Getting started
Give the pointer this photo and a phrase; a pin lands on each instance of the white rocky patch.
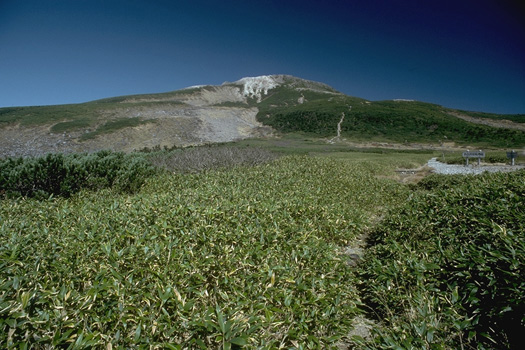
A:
(256, 87)
(443, 168)
(194, 87)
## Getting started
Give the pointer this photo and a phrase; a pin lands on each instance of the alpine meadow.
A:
(268, 213)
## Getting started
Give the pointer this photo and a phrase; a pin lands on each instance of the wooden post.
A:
(479, 158)
(512, 156)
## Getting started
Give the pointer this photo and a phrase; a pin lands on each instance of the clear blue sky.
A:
(466, 54)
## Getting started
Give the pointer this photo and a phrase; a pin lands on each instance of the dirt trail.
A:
(338, 137)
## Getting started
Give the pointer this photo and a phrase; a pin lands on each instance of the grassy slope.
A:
(144, 97)
(81, 116)
(41, 115)
(64, 118)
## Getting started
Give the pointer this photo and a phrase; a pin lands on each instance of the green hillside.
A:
(398, 121)
(64, 118)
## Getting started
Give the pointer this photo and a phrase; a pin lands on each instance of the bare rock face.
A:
(256, 87)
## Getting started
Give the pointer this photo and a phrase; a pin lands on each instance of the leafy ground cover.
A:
(212, 253)
(249, 256)
(446, 270)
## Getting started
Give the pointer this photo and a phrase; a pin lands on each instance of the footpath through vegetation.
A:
(253, 256)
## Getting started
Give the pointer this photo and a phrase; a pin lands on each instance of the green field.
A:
(253, 256)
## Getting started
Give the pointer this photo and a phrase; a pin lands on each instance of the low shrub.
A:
(205, 158)
(63, 175)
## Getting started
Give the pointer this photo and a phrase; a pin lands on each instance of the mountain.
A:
(250, 107)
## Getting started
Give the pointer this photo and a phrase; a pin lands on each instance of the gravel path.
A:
(442, 168)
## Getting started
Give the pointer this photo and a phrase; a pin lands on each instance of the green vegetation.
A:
(214, 259)
(295, 143)
(398, 121)
(71, 125)
(445, 271)
(286, 97)
(71, 117)
(64, 175)
(44, 115)
(231, 104)
(116, 124)
(144, 98)
(212, 253)
(7, 115)
(231, 246)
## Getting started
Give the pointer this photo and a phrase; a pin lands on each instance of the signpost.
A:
(512, 156)
(473, 154)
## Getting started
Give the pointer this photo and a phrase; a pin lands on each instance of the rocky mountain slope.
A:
(195, 115)
(250, 107)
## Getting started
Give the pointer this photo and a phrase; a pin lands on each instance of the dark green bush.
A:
(63, 175)
(447, 270)
(315, 122)
(440, 182)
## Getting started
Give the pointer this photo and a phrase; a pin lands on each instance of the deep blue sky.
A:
(466, 54)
